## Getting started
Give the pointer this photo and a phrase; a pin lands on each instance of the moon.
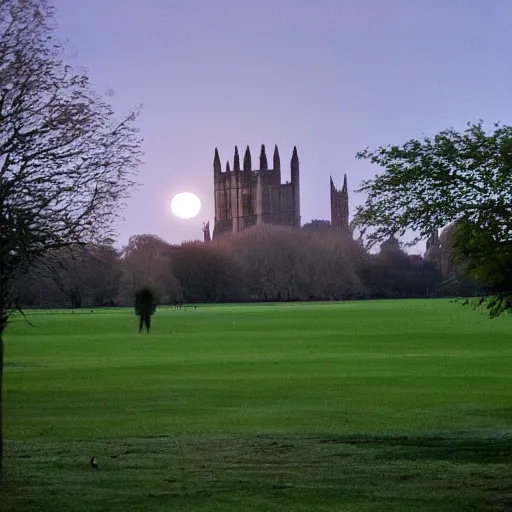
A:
(185, 205)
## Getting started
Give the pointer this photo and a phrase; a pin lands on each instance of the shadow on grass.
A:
(444, 472)
(452, 448)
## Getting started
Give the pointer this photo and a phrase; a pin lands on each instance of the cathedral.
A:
(339, 206)
(245, 196)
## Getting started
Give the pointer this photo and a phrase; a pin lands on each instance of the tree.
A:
(66, 163)
(331, 265)
(146, 263)
(452, 177)
(317, 224)
(85, 274)
(207, 272)
(33, 288)
(489, 261)
(268, 256)
(445, 257)
(105, 275)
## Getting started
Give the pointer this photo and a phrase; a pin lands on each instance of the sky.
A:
(331, 77)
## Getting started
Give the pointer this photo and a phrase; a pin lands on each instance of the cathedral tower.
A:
(245, 197)
(339, 206)
(294, 168)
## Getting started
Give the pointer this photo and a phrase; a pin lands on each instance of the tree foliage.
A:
(453, 266)
(317, 224)
(489, 261)
(462, 178)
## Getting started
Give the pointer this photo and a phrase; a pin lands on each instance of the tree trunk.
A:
(2, 326)
(76, 300)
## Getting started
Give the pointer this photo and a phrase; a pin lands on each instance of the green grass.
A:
(385, 405)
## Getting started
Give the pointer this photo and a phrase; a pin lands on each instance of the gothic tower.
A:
(339, 206)
(294, 167)
(245, 197)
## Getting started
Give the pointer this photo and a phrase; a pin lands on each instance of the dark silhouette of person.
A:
(145, 306)
(145, 319)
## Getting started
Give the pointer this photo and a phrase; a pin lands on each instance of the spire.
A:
(344, 190)
(263, 159)
(227, 167)
(247, 160)
(216, 162)
(343, 206)
(294, 165)
(277, 160)
(236, 161)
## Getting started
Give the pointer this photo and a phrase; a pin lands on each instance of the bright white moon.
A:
(185, 205)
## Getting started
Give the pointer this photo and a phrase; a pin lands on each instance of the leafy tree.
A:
(489, 261)
(452, 177)
(453, 266)
(66, 163)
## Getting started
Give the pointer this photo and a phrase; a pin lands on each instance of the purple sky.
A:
(331, 77)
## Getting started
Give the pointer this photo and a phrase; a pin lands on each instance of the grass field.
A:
(385, 405)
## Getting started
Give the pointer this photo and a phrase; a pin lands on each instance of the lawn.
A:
(381, 405)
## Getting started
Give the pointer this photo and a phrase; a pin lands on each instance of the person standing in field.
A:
(145, 306)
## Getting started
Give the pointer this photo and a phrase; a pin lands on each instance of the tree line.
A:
(264, 263)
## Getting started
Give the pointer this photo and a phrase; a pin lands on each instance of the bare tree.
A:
(66, 163)
(271, 259)
(146, 263)
(334, 261)
(84, 274)
(207, 272)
